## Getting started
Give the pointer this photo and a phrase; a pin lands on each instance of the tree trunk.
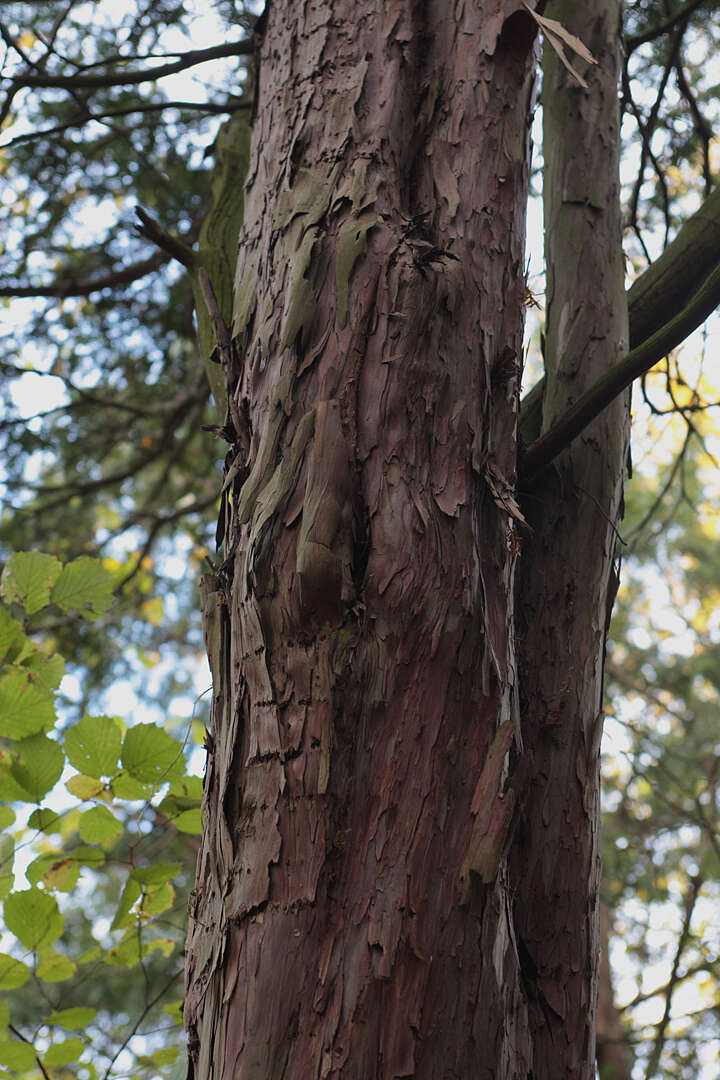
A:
(354, 910)
(566, 583)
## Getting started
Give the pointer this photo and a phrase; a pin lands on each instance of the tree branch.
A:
(654, 32)
(132, 78)
(63, 290)
(543, 450)
(209, 108)
(662, 291)
(152, 230)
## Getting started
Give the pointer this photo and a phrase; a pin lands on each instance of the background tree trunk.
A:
(353, 915)
(566, 586)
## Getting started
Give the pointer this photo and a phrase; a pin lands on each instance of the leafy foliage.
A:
(97, 835)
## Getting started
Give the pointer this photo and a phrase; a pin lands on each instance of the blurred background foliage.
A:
(113, 104)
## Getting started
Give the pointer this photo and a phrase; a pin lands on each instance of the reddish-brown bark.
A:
(354, 911)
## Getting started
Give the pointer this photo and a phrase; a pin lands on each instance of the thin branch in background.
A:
(632, 41)
(64, 290)
(78, 81)
(209, 108)
(702, 127)
(691, 898)
(134, 1030)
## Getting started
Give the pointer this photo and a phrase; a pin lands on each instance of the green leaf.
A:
(150, 755)
(39, 765)
(93, 745)
(7, 816)
(63, 1053)
(4, 1015)
(13, 973)
(87, 856)
(10, 790)
(99, 826)
(188, 788)
(157, 874)
(91, 955)
(126, 787)
(7, 859)
(129, 895)
(84, 787)
(55, 967)
(25, 708)
(18, 1056)
(33, 917)
(12, 636)
(47, 669)
(85, 586)
(175, 1010)
(27, 579)
(158, 900)
(131, 950)
(72, 1019)
(189, 821)
(45, 820)
(57, 871)
(165, 1055)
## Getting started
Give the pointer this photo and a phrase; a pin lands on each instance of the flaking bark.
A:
(355, 910)
(351, 916)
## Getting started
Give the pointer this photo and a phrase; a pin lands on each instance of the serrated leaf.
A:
(12, 636)
(7, 817)
(157, 874)
(91, 955)
(63, 1053)
(45, 820)
(33, 916)
(189, 821)
(127, 787)
(158, 899)
(129, 896)
(131, 950)
(165, 1055)
(99, 826)
(55, 869)
(7, 860)
(175, 1010)
(25, 708)
(93, 745)
(39, 765)
(18, 1056)
(85, 586)
(150, 755)
(27, 579)
(13, 973)
(72, 1019)
(47, 669)
(187, 787)
(87, 856)
(10, 790)
(84, 787)
(54, 967)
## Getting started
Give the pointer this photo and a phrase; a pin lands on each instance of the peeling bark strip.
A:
(352, 916)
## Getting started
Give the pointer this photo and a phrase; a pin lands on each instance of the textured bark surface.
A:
(565, 589)
(354, 909)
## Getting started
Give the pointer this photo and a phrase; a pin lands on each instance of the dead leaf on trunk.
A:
(554, 30)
